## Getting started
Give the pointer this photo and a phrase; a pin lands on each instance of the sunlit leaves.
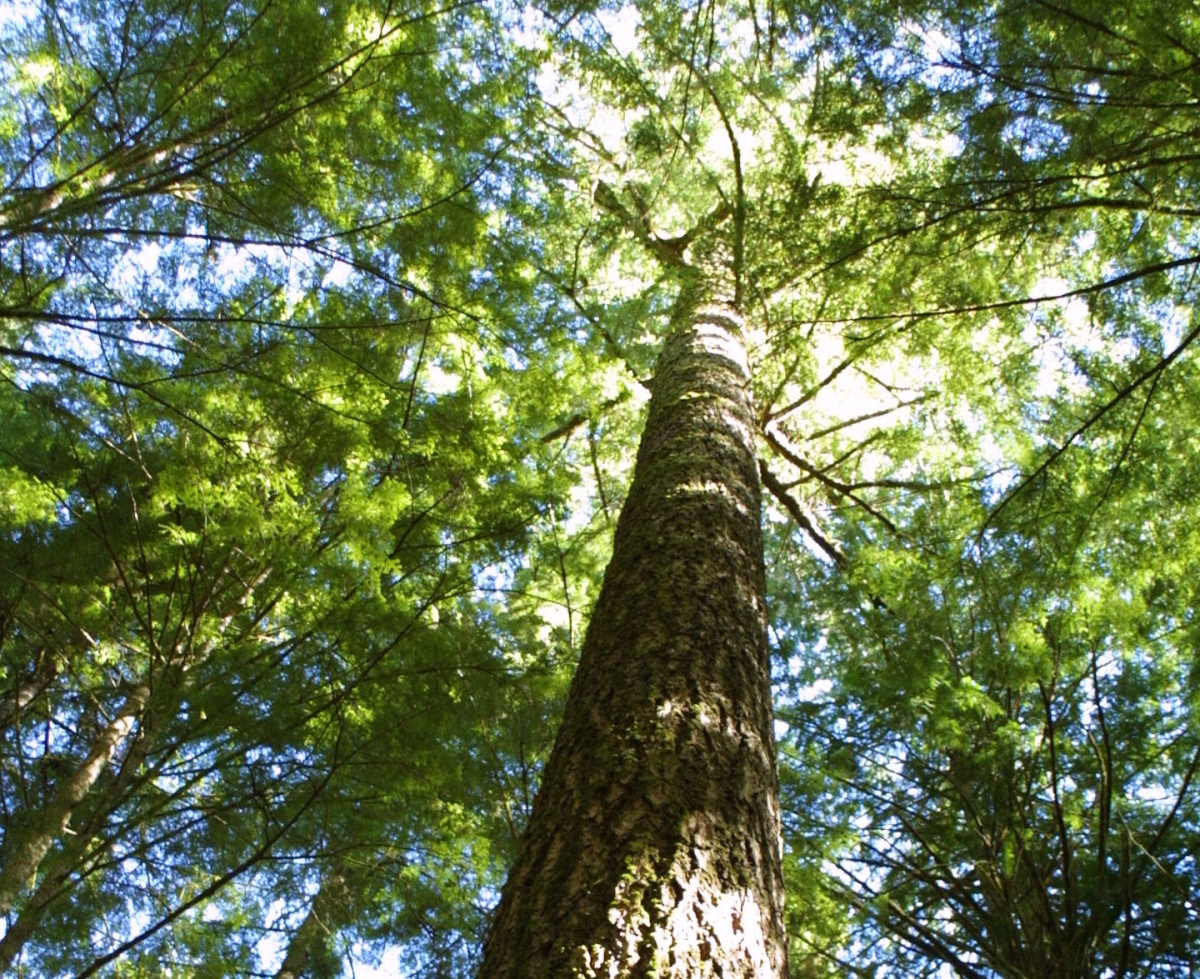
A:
(325, 333)
(259, 454)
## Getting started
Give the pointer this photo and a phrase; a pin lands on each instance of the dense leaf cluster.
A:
(324, 335)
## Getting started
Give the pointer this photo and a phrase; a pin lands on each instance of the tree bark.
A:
(26, 692)
(144, 709)
(653, 848)
(323, 920)
(21, 867)
(51, 875)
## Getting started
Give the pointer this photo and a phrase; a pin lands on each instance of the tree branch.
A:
(792, 505)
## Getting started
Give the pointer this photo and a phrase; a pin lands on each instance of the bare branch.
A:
(792, 505)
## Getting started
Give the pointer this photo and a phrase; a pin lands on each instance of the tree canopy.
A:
(326, 334)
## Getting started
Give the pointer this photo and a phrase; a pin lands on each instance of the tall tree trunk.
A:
(653, 847)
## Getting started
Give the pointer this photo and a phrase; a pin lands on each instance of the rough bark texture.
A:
(653, 847)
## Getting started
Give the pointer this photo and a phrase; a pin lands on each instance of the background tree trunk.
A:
(51, 875)
(20, 869)
(324, 919)
(653, 847)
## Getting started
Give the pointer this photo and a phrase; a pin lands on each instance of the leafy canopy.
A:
(324, 334)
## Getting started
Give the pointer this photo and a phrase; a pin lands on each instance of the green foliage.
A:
(258, 452)
(324, 331)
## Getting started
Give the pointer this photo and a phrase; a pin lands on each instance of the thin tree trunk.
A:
(323, 919)
(653, 847)
(18, 872)
(23, 694)
(73, 857)
(54, 878)
(20, 868)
